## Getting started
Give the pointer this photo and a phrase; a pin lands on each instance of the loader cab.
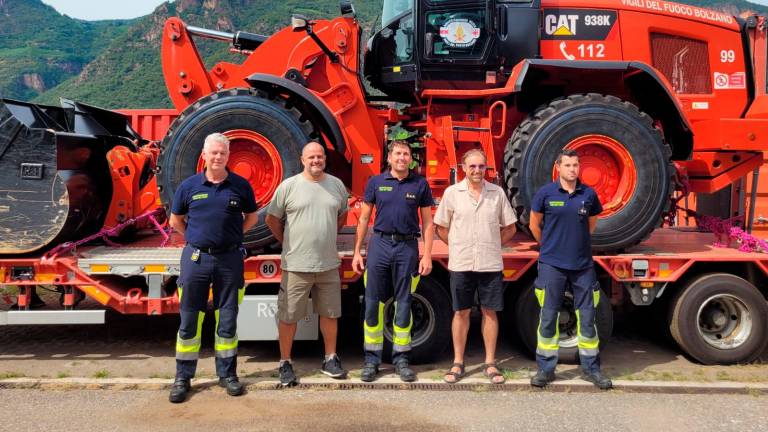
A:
(450, 44)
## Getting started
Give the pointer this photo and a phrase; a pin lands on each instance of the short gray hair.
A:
(216, 137)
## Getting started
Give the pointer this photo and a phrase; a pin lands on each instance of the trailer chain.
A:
(114, 231)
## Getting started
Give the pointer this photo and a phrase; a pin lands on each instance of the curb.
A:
(392, 383)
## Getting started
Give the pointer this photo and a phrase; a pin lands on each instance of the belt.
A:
(397, 237)
(216, 250)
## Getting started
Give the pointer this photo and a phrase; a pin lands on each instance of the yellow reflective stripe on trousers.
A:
(415, 282)
(590, 345)
(240, 295)
(548, 346)
(596, 297)
(180, 291)
(189, 349)
(373, 336)
(401, 338)
(224, 347)
(539, 295)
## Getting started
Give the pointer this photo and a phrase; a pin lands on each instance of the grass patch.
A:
(163, 376)
(9, 375)
(103, 373)
(652, 375)
(62, 375)
(513, 374)
(722, 375)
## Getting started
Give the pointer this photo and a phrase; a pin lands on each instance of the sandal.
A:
(492, 375)
(457, 376)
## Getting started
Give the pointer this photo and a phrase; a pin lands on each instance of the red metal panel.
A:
(151, 124)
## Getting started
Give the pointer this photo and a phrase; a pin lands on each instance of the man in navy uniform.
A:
(393, 266)
(219, 207)
(563, 217)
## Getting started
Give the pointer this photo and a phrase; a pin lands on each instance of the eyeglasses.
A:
(476, 167)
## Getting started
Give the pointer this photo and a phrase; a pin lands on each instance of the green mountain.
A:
(40, 48)
(128, 73)
(116, 64)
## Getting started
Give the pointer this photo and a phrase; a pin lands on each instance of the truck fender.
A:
(318, 111)
(646, 85)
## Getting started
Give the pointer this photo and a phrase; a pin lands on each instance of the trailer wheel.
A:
(266, 138)
(527, 318)
(432, 314)
(622, 156)
(720, 318)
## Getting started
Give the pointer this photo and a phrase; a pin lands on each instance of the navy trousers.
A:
(391, 271)
(550, 287)
(223, 274)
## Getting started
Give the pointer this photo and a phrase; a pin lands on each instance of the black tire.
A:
(432, 315)
(531, 151)
(527, 318)
(246, 109)
(720, 318)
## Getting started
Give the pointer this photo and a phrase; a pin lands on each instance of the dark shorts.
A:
(488, 285)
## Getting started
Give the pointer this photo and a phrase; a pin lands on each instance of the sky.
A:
(105, 9)
(124, 9)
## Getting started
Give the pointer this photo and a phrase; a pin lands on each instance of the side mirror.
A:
(299, 22)
(347, 8)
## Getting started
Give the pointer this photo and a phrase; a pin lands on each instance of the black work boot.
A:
(599, 380)
(233, 385)
(369, 372)
(541, 379)
(179, 390)
(403, 369)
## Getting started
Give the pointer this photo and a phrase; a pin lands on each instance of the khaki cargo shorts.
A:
(295, 288)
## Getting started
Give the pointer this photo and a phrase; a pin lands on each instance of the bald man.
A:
(305, 215)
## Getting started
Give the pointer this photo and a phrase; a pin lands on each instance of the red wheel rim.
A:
(606, 166)
(253, 157)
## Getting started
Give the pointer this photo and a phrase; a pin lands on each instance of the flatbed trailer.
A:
(715, 295)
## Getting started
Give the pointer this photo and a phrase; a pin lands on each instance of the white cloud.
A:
(104, 9)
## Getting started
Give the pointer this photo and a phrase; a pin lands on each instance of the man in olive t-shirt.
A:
(305, 215)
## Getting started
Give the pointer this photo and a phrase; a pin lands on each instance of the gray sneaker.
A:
(332, 368)
(287, 376)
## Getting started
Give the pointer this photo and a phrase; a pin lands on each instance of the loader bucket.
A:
(55, 183)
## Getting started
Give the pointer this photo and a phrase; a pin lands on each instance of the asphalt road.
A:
(143, 347)
(378, 410)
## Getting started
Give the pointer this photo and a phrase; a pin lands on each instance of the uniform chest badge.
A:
(410, 196)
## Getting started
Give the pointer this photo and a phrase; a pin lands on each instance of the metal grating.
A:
(684, 62)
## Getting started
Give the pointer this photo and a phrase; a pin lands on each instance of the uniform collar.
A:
(388, 176)
(204, 179)
(579, 186)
